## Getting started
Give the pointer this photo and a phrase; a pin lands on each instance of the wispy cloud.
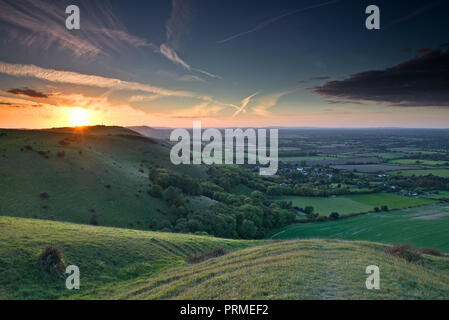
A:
(207, 73)
(203, 110)
(271, 20)
(190, 78)
(76, 78)
(16, 102)
(171, 55)
(40, 23)
(244, 103)
(263, 105)
(176, 27)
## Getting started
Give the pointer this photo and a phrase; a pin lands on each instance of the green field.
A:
(305, 158)
(436, 172)
(441, 195)
(354, 203)
(418, 162)
(393, 201)
(325, 206)
(383, 155)
(130, 264)
(424, 227)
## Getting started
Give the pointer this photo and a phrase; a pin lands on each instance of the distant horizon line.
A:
(230, 127)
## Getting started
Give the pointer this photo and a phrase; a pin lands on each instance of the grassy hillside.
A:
(424, 227)
(69, 174)
(131, 264)
(105, 256)
(310, 269)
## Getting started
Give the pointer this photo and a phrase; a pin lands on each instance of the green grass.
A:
(313, 269)
(78, 182)
(355, 203)
(131, 264)
(424, 227)
(393, 201)
(105, 256)
(325, 206)
(436, 172)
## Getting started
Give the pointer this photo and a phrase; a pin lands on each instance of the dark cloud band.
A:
(420, 82)
(29, 93)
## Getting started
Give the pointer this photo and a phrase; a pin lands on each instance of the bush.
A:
(384, 208)
(334, 216)
(93, 220)
(431, 252)
(214, 253)
(164, 225)
(155, 191)
(63, 142)
(376, 209)
(51, 260)
(308, 210)
(404, 251)
(44, 195)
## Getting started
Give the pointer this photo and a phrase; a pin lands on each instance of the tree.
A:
(308, 210)
(155, 191)
(173, 196)
(247, 229)
(181, 225)
(164, 224)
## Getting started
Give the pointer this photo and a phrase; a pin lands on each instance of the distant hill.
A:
(157, 133)
(129, 264)
(71, 174)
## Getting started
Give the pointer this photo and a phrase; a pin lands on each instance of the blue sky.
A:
(224, 62)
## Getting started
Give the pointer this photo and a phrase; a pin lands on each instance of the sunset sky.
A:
(228, 63)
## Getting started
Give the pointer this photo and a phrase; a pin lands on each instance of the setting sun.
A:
(79, 117)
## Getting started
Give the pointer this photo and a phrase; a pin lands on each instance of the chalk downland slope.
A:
(131, 264)
(106, 256)
(69, 174)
